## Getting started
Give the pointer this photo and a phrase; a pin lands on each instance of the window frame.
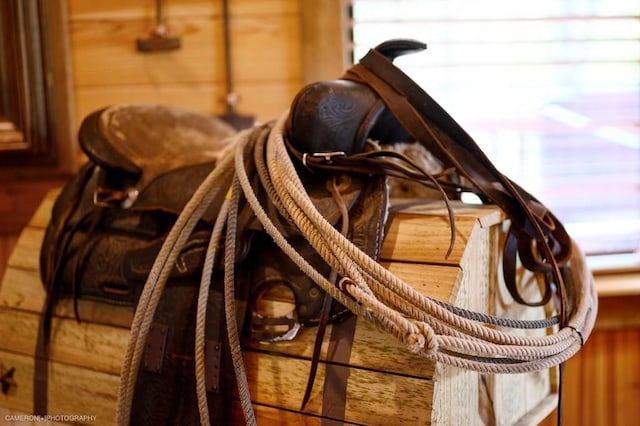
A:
(36, 109)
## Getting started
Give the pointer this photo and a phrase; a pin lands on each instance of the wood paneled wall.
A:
(266, 54)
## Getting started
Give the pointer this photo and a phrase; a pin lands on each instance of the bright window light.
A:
(550, 91)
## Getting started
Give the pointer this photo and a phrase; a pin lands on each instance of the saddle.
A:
(110, 221)
(166, 190)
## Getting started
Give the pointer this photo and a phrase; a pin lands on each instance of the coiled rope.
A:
(430, 328)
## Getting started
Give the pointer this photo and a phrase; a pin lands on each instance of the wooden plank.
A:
(7, 243)
(271, 416)
(264, 100)
(280, 381)
(423, 238)
(104, 52)
(22, 290)
(42, 215)
(72, 390)
(487, 215)
(26, 254)
(126, 9)
(83, 344)
(371, 349)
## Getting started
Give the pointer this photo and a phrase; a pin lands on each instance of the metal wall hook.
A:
(159, 39)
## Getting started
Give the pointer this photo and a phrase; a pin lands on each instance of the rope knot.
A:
(429, 338)
(415, 342)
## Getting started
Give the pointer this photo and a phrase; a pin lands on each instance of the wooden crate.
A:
(386, 383)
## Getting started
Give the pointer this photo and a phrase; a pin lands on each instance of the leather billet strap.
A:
(536, 235)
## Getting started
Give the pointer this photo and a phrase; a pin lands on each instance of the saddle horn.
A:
(340, 115)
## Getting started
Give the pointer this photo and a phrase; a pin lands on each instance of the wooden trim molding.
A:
(36, 112)
(325, 27)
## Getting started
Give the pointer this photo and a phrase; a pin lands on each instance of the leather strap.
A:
(41, 363)
(337, 370)
(536, 228)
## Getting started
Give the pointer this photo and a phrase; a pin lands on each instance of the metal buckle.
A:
(326, 156)
(109, 198)
(266, 329)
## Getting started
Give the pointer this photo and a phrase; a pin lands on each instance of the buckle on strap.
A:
(274, 329)
(103, 197)
(327, 156)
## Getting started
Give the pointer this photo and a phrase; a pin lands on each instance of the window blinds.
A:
(549, 89)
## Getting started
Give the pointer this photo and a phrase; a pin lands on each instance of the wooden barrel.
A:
(381, 382)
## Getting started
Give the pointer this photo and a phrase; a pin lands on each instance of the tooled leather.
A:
(366, 198)
(109, 250)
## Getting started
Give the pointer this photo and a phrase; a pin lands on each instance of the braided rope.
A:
(157, 278)
(201, 311)
(344, 256)
(430, 328)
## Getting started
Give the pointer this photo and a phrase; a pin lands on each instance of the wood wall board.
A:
(71, 389)
(126, 9)
(202, 98)
(602, 384)
(373, 397)
(265, 101)
(324, 35)
(618, 313)
(104, 53)
(265, 49)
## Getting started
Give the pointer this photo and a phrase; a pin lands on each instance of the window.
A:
(36, 137)
(550, 91)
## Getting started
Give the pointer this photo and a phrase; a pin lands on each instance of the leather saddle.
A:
(109, 224)
(145, 162)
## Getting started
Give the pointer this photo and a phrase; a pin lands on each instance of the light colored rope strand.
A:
(230, 304)
(304, 226)
(296, 192)
(155, 283)
(474, 328)
(201, 311)
(284, 245)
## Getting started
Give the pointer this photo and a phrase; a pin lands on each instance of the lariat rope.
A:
(433, 329)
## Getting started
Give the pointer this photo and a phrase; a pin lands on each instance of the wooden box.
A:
(385, 383)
